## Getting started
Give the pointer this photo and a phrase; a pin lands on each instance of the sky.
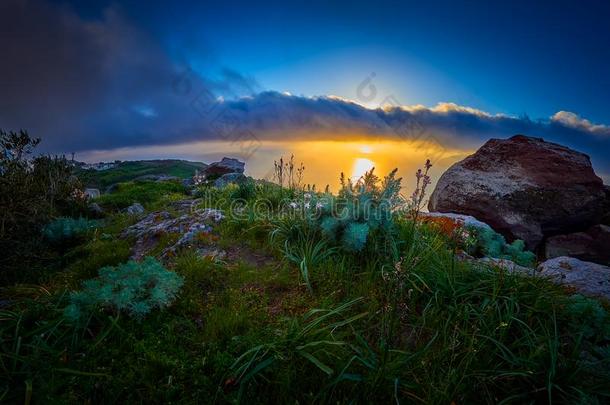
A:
(108, 74)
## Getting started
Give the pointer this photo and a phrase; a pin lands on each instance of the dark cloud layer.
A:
(100, 84)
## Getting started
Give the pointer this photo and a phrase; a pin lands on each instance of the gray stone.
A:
(587, 278)
(135, 209)
(507, 265)
(229, 178)
(96, 209)
(92, 193)
(467, 220)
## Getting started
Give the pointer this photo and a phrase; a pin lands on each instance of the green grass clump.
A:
(146, 193)
(134, 288)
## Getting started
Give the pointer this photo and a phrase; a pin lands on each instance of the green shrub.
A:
(134, 288)
(33, 190)
(492, 244)
(65, 229)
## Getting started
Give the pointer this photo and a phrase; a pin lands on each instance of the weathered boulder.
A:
(592, 245)
(135, 209)
(587, 278)
(96, 209)
(524, 188)
(226, 165)
(229, 178)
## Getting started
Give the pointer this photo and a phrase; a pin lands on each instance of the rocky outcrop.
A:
(592, 245)
(524, 188)
(229, 178)
(226, 165)
(587, 278)
(186, 227)
(467, 220)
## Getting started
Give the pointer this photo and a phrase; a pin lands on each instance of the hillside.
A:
(127, 171)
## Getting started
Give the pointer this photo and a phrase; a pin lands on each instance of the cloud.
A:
(572, 120)
(104, 83)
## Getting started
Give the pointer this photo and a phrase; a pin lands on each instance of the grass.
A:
(401, 321)
(129, 171)
(148, 193)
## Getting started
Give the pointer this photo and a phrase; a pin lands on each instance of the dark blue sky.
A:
(100, 75)
(515, 57)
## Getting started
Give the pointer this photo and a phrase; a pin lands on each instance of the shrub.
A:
(65, 229)
(32, 191)
(134, 288)
(492, 244)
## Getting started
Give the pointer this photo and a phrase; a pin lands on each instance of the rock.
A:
(92, 193)
(468, 220)
(148, 230)
(587, 278)
(507, 265)
(135, 209)
(96, 209)
(606, 214)
(524, 188)
(592, 245)
(229, 178)
(226, 165)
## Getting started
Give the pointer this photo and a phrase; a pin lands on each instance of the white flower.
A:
(293, 205)
(306, 205)
(319, 205)
(307, 196)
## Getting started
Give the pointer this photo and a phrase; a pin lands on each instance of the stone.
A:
(507, 265)
(157, 178)
(135, 209)
(229, 178)
(226, 165)
(96, 209)
(524, 188)
(587, 278)
(150, 228)
(592, 245)
(467, 220)
(92, 193)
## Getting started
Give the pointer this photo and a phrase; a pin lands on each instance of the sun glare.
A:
(361, 166)
(366, 149)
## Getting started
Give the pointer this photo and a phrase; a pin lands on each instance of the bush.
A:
(492, 244)
(32, 191)
(64, 229)
(134, 288)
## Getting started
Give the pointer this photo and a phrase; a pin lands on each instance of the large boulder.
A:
(593, 245)
(524, 188)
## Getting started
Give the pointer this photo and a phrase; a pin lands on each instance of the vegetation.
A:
(135, 288)
(129, 171)
(33, 190)
(306, 306)
(492, 244)
(144, 192)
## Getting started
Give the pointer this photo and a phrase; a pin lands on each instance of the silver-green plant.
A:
(134, 288)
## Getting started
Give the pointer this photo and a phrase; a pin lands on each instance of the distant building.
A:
(99, 166)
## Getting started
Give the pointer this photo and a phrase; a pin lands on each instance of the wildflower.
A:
(319, 205)
(307, 196)
(306, 205)
(293, 205)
